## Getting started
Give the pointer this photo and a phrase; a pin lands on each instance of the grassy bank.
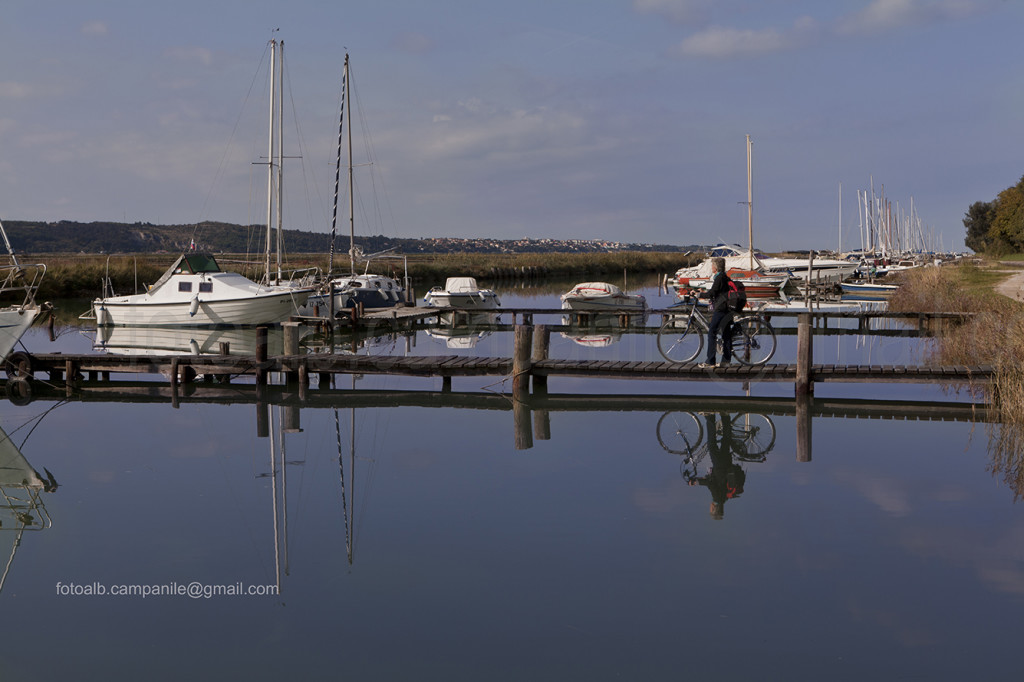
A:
(83, 276)
(994, 336)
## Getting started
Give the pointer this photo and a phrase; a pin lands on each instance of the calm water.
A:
(412, 541)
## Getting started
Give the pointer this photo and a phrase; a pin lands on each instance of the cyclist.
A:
(721, 318)
(726, 477)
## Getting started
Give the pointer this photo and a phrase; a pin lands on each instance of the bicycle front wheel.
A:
(753, 340)
(680, 339)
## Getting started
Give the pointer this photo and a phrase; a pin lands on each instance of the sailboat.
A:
(195, 292)
(19, 309)
(354, 289)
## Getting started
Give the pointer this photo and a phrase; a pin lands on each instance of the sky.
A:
(622, 120)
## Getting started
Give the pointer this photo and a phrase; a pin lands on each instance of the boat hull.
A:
(272, 307)
(14, 321)
(480, 300)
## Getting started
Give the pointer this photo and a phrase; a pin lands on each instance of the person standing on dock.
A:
(721, 317)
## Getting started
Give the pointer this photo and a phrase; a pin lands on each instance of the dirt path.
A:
(1013, 286)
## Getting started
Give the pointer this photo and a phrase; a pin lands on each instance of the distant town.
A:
(108, 237)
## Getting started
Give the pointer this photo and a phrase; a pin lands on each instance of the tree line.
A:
(996, 227)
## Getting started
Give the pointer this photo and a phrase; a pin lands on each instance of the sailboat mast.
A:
(351, 194)
(270, 156)
(280, 161)
(337, 166)
(750, 204)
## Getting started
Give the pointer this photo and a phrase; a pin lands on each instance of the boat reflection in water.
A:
(600, 330)
(730, 439)
(459, 330)
(187, 341)
(22, 487)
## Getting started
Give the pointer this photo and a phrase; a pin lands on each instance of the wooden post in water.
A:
(291, 346)
(521, 424)
(261, 355)
(803, 428)
(541, 347)
(521, 362)
(804, 353)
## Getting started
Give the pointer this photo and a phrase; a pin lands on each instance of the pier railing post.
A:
(804, 354)
(521, 362)
(541, 347)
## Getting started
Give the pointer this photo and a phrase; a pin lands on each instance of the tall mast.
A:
(750, 205)
(337, 167)
(270, 156)
(840, 251)
(280, 160)
(351, 194)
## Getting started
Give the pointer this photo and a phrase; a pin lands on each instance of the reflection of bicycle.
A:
(681, 336)
(681, 433)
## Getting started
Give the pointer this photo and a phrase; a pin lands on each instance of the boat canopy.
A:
(188, 264)
(595, 289)
(461, 285)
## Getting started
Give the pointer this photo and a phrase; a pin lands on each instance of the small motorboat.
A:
(462, 292)
(601, 296)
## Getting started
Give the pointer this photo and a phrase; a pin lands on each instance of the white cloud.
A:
(678, 11)
(94, 28)
(721, 41)
(885, 15)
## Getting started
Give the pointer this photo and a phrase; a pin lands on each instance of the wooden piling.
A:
(804, 353)
(803, 428)
(521, 361)
(521, 423)
(261, 355)
(541, 349)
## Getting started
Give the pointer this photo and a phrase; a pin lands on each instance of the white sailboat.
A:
(18, 307)
(195, 292)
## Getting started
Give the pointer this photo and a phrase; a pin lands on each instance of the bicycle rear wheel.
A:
(680, 340)
(753, 435)
(680, 432)
(753, 340)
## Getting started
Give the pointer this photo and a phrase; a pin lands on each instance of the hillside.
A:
(108, 238)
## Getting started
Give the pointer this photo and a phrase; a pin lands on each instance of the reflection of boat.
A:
(462, 292)
(196, 292)
(462, 329)
(21, 486)
(17, 314)
(600, 331)
(185, 341)
(601, 296)
(868, 288)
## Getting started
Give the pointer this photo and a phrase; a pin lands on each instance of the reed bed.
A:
(994, 336)
(82, 276)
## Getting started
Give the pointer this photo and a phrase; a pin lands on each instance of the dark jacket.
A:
(719, 292)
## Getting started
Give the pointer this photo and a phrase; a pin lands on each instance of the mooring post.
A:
(803, 428)
(261, 355)
(541, 346)
(521, 423)
(291, 346)
(521, 362)
(804, 353)
(542, 424)
(262, 418)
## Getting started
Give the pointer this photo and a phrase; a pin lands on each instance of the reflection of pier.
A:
(531, 415)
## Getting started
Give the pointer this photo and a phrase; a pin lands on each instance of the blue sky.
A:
(591, 119)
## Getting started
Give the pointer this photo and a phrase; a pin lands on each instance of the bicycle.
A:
(752, 436)
(681, 337)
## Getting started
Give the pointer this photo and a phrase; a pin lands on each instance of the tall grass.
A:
(993, 336)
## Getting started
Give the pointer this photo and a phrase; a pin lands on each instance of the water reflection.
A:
(22, 508)
(463, 330)
(728, 438)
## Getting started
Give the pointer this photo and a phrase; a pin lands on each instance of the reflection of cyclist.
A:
(725, 478)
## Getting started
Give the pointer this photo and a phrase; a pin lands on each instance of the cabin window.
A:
(184, 286)
(205, 287)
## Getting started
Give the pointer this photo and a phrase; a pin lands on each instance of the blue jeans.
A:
(721, 321)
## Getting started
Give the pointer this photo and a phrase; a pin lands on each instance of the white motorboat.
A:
(195, 292)
(462, 292)
(601, 296)
(18, 307)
